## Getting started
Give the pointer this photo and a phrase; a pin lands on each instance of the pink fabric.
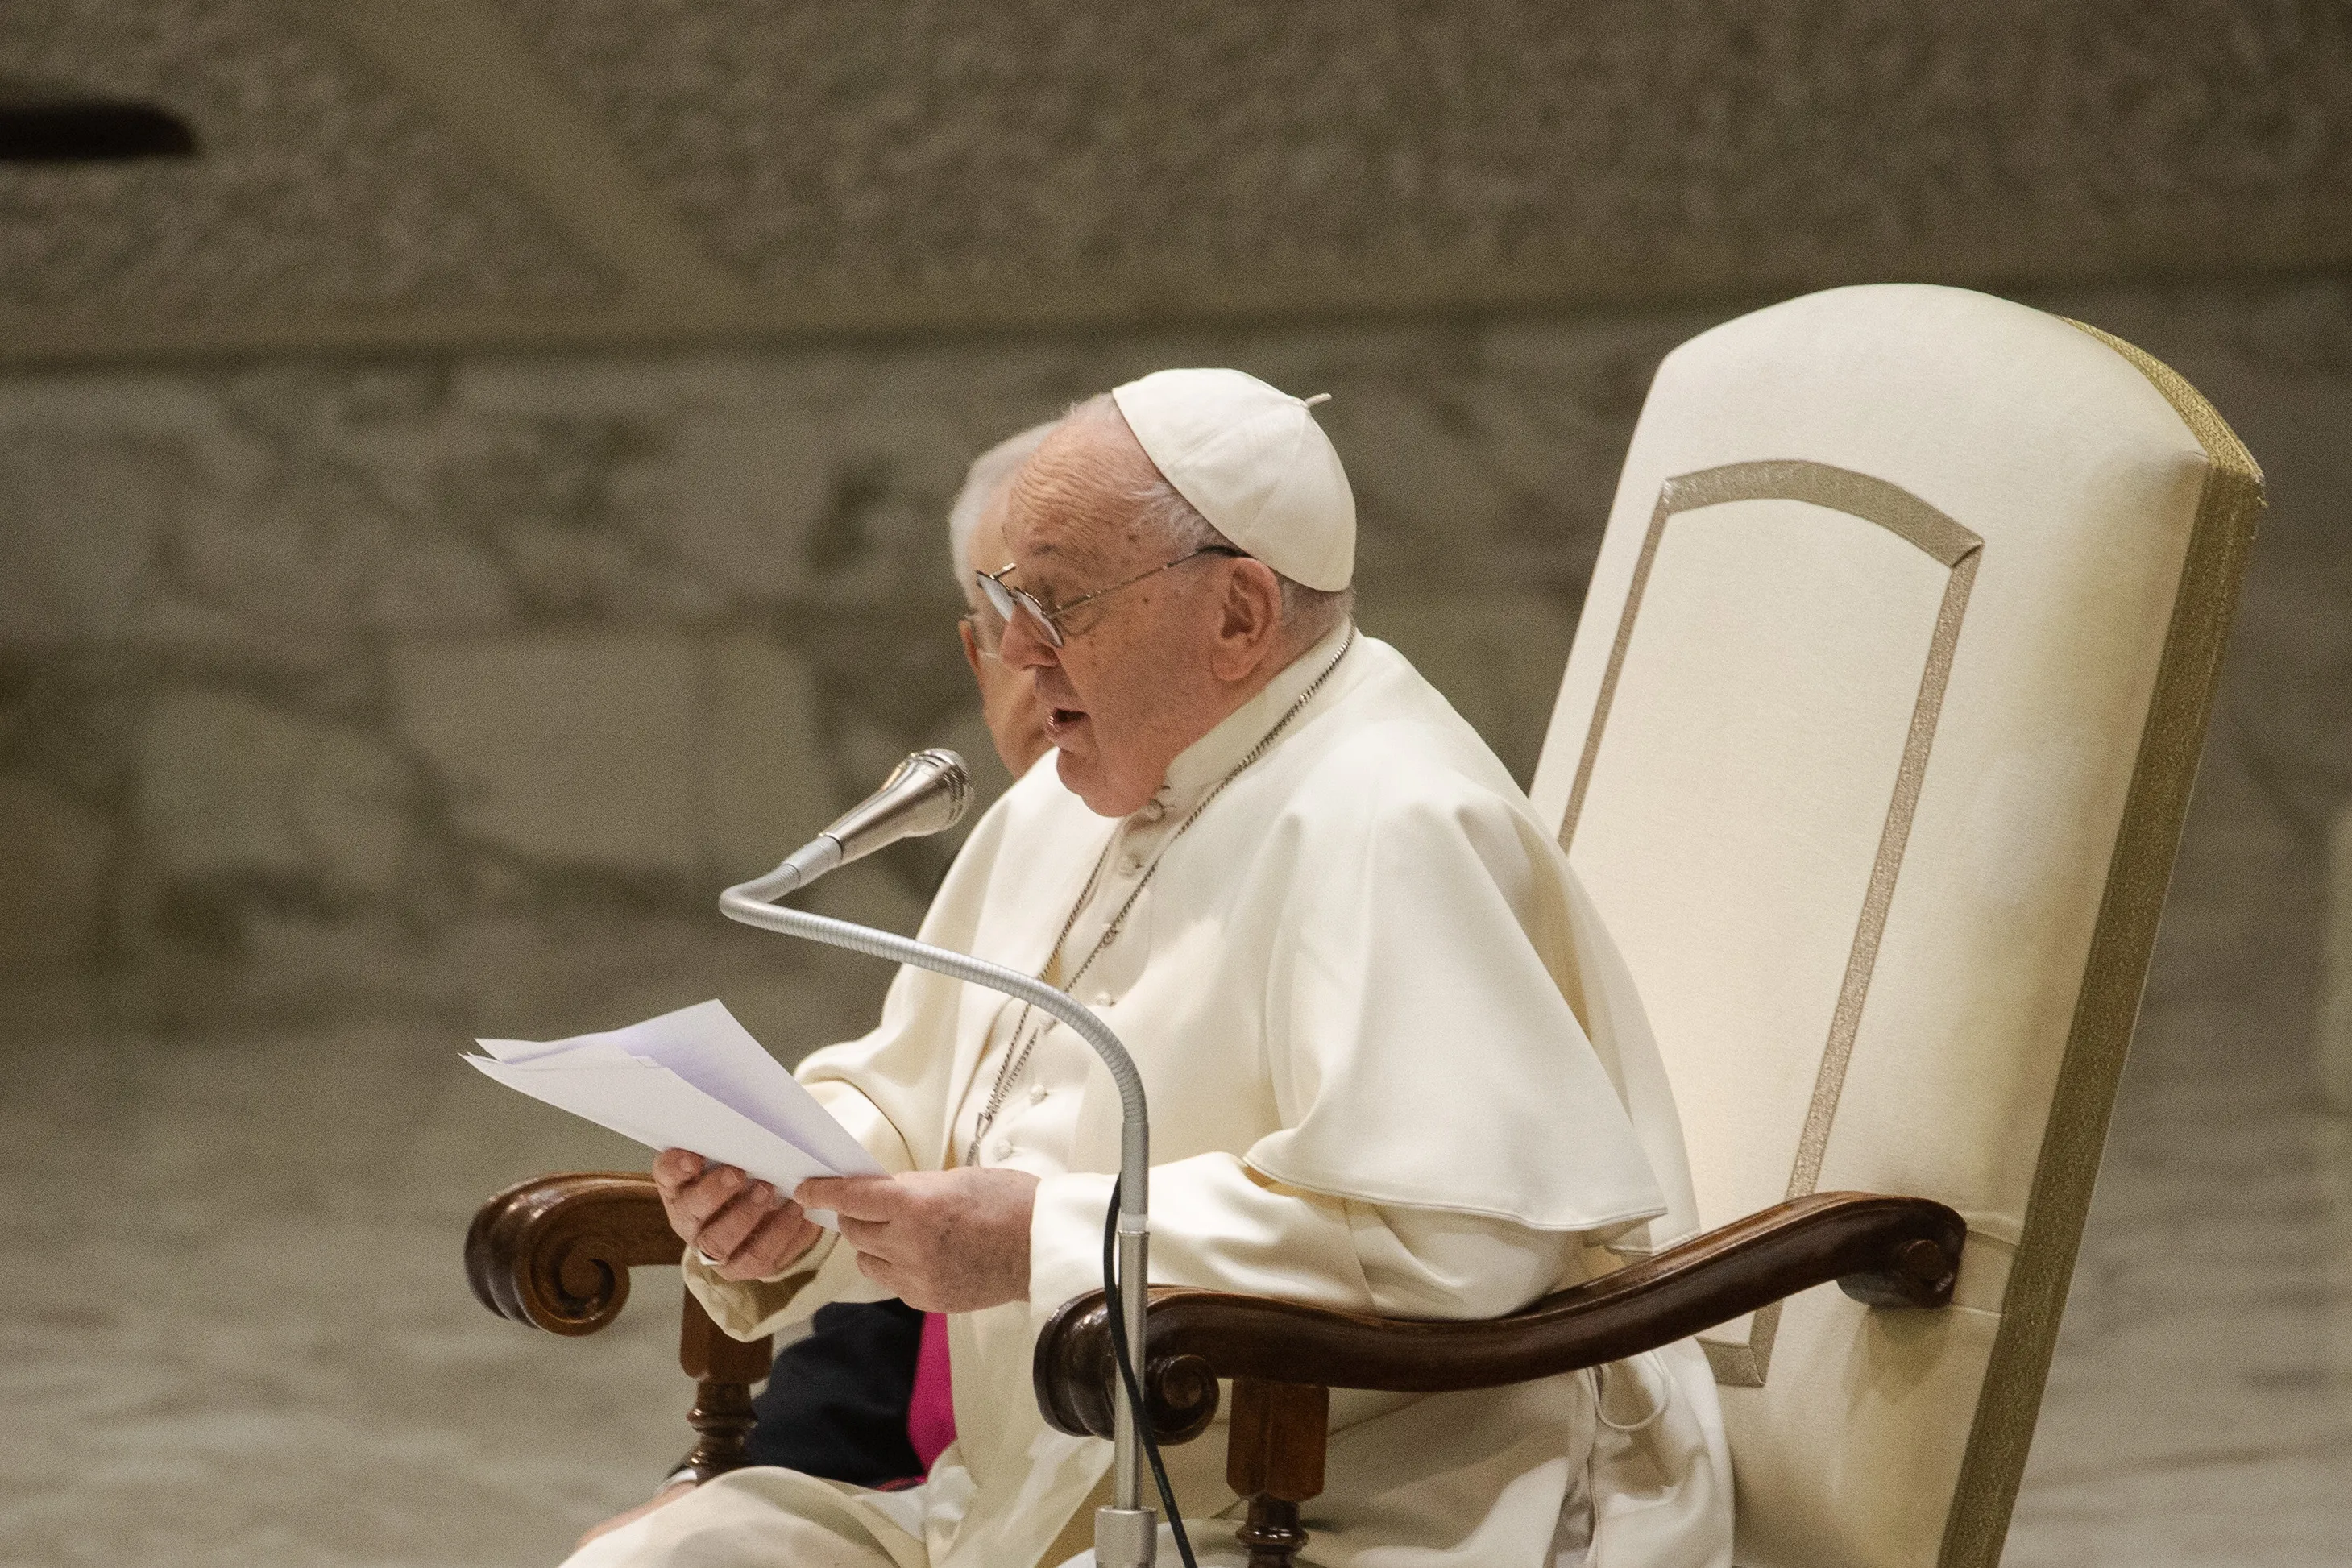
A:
(931, 1415)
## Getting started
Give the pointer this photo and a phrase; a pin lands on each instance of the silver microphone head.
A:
(928, 793)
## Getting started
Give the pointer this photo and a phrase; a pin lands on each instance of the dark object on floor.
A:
(44, 123)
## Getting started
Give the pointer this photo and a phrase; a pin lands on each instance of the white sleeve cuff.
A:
(1065, 1231)
(748, 1308)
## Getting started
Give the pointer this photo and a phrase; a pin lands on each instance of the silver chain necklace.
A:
(1017, 1057)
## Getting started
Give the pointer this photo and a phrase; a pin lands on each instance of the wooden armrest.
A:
(555, 1251)
(1887, 1251)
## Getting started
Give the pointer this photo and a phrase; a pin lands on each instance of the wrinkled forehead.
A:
(1076, 504)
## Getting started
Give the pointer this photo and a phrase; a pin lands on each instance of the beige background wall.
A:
(329, 682)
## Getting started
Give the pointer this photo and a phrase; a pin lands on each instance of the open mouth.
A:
(1059, 720)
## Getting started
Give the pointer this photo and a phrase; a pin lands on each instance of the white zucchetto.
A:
(1251, 459)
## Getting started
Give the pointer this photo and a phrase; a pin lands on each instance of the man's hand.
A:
(942, 1241)
(749, 1227)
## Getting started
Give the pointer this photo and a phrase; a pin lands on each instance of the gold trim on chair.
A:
(1959, 550)
(2141, 868)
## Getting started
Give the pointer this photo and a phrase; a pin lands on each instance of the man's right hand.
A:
(748, 1229)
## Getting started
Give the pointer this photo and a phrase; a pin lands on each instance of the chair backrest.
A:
(1873, 753)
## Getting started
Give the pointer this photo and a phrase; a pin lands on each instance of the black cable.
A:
(1122, 1353)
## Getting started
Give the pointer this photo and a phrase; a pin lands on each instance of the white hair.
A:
(990, 473)
(1307, 613)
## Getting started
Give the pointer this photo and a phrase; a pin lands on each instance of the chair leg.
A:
(723, 1369)
(1274, 1457)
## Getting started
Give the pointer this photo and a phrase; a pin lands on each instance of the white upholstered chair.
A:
(1872, 753)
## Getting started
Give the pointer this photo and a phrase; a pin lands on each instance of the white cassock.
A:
(1353, 987)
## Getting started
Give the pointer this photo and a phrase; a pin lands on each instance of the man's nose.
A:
(1022, 646)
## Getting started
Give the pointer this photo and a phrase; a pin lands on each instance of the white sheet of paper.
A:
(565, 1053)
(709, 1049)
(704, 1046)
(694, 1079)
(662, 1111)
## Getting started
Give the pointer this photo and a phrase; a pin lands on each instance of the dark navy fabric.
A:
(837, 1403)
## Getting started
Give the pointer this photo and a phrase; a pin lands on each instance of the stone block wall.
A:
(456, 688)
(461, 687)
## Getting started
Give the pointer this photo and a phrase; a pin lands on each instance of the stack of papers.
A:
(693, 1079)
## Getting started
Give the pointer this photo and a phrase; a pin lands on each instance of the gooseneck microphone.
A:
(928, 792)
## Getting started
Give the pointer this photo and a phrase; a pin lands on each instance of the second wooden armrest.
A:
(555, 1251)
(1887, 1251)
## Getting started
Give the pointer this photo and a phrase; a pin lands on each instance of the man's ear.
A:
(1250, 623)
(970, 645)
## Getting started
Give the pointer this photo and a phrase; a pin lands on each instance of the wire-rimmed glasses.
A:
(1007, 600)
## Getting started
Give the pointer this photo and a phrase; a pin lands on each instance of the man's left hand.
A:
(942, 1241)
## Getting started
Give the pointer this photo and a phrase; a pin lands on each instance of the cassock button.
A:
(1153, 810)
(1130, 863)
(1002, 1150)
(1103, 998)
(1037, 1094)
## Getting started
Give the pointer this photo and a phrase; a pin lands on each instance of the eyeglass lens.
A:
(1008, 601)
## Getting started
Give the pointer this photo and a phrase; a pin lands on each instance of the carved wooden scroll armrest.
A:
(555, 1252)
(1283, 1356)
(1889, 1252)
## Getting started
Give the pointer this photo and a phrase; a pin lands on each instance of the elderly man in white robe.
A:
(1394, 1064)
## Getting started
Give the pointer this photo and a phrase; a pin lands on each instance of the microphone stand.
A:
(1127, 1533)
